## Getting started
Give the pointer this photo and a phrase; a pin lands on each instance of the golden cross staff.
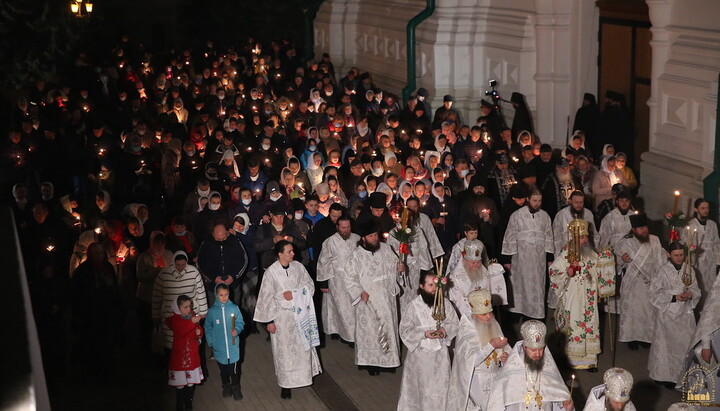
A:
(438, 310)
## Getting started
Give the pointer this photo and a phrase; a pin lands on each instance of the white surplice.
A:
(637, 314)
(462, 285)
(614, 226)
(528, 238)
(375, 274)
(514, 381)
(338, 314)
(706, 256)
(596, 400)
(560, 230)
(474, 367)
(428, 231)
(674, 322)
(418, 259)
(294, 365)
(426, 368)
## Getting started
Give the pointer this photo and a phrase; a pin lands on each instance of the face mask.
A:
(141, 132)
(203, 193)
(180, 233)
(246, 201)
(221, 96)
(266, 147)
(378, 171)
(274, 199)
(299, 215)
(312, 148)
(464, 173)
(135, 149)
(214, 207)
(84, 96)
(189, 153)
(362, 194)
(267, 112)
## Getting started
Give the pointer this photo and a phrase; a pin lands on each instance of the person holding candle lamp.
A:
(223, 325)
(702, 233)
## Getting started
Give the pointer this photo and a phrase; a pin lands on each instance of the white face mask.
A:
(312, 148)
(203, 193)
(377, 172)
(266, 147)
(246, 201)
(214, 207)
(464, 173)
(274, 198)
(299, 215)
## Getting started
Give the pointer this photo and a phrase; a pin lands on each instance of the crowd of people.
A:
(227, 191)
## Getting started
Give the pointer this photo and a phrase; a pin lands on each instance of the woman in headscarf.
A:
(79, 254)
(179, 238)
(432, 160)
(608, 176)
(621, 164)
(301, 177)
(447, 162)
(392, 165)
(311, 147)
(104, 209)
(336, 192)
(181, 113)
(228, 171)
(314, 169)
(441, 145)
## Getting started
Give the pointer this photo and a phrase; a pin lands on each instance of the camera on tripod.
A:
(493, 93)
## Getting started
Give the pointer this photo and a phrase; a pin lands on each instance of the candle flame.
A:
(677, 193)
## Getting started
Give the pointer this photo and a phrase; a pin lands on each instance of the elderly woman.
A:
(621, 164)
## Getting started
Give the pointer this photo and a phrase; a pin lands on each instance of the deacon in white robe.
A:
(614, 226)
(528, 239)
(613, 394)
(674, 319)
(641, 255)
(338, 313)
(418, 259)
(426, 370)
(701, 364)
(428, 231)
(480, 351)
(706, 257)
(280, 291)
(579, 287)
(530, 379)
(372, 284)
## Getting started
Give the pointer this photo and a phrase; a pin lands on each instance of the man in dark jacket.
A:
(222, 259)
(279, 228)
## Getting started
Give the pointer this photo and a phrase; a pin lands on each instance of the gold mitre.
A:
(578, 227)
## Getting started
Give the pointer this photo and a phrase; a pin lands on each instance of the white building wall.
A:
(545, 49)
(686, 63)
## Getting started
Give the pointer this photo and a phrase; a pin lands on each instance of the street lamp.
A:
(76, 7)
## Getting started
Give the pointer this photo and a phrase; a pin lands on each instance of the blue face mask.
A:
(362, 194)
(180, 233)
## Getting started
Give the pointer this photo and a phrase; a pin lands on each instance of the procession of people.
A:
(216, 192)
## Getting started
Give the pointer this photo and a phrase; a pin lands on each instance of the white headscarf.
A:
(245, 218)
(229, 155)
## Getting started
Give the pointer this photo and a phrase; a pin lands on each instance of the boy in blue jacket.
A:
(223, 326)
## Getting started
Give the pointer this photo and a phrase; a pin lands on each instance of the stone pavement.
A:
(140, 383)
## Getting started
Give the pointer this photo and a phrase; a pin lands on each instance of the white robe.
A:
(434, 246)
(613, 228)
(596, 400)
(637, 315)
(294, 366)
(527, 239)
(419, 259)
(706, 256)
(674, 322)
(511, 384)
(427, 364)
(462, 285)
(474, 368)
(376, 275)
(338, 314)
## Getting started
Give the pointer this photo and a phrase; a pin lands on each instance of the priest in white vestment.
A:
(338, 313)
(674, 300)
(613, 394)
(426, 369)
(471, 274)
(530, 379)
(706, 256)
(480, 351)
(701, 365)
(576, 209)
(419, 258)
(285, 292)
(428, 231)
(580, 277)
(528, 239)
(641, 255)
(371, 281)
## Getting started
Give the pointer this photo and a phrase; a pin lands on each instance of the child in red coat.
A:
(184, 368)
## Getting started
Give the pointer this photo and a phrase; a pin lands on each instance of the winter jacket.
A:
(218, 328)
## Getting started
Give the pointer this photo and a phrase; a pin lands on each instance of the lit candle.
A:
(50, 247)
(98, 230)
(419, 131)
(572, 385)
(675, 204)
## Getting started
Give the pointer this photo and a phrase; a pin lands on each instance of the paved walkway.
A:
(140, 383)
